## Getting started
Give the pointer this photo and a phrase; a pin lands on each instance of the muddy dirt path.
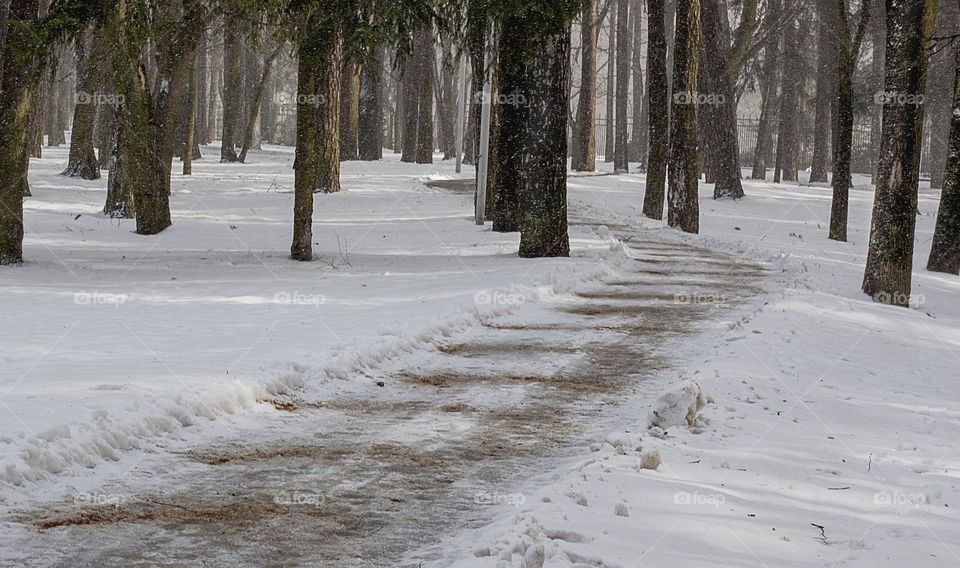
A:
(363, 482)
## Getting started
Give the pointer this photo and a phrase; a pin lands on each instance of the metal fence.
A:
(861, 160)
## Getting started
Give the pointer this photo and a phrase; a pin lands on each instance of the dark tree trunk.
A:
(54, 124)
(370, 135)
(543, 228)
(848, 51)
(349, 109)
(191, 126)
(939, 93)
(232, 87)
(447, 103)
(827, 72)
(511, 135)
(200, 130)
(256, 104)
(788, 135)
(659, 90)
(887, 276)
(768, 91)
(718, 104)
(83, 158)
(609, 147)
(17, 78)
(317, 163)
(945, 251)
(683, 209)
(624, 46)
(411, 112)
(426, 64)
(638, 136)
(119, 202)
(585, 144)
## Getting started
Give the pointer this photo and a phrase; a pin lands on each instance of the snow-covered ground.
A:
(832, 433)
(829, 437)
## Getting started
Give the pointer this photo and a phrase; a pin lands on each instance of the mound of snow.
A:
(678, 406)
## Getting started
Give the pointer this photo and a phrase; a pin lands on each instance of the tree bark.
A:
(609, 146)
(349, 109)
(543, 228)
(82, 161)
(683, 209)
(768, 93)
(317, 163)
(411, 110)
(232, 87)
(426, 66)
(945, 250)
(18, 75)
(638, 136)
(624, 46)
(585, 145)
(658, 116)
(827, 72)
(511, 138)
(887, 276)
(370, 135)
(718, 104)
(791, 88)
(256, 105)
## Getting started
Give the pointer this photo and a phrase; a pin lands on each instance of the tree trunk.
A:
(718, 104)
(939, 93)
(511, 139)
(827, 72)
(683, 209)
(609, 146)
(887, 276)
(768, 93)
(945, 250)
(791, 88)
(638, 136)
(349, 109)
(624, 45)
(370, 135)
(17, 78)
(257, 104)
(317, 163)
(191, 126)
(82, 161)
(426, 64)
(658, 115)
(232, 87)
(585, 143)
(54, 129)
(200, 130)
(543, 227)
(119, 202)
(411, 110)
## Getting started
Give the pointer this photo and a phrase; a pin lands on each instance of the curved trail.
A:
(378, 481)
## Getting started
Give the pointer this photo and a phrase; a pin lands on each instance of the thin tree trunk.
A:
(827, 72)
(370, 135)
(609, 146)
(191, 127)
(349, 109)
(791, 87)
(624, 46)
(653, 198)
(638, 136)
(768, 93)
(887, 276)
(945, 250)
(411, 110)
(684, 169)
(257, 104)
(585, 144)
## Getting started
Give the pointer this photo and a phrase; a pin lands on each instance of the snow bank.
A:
(678, 406)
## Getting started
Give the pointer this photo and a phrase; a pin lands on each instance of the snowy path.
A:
(371, 479)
